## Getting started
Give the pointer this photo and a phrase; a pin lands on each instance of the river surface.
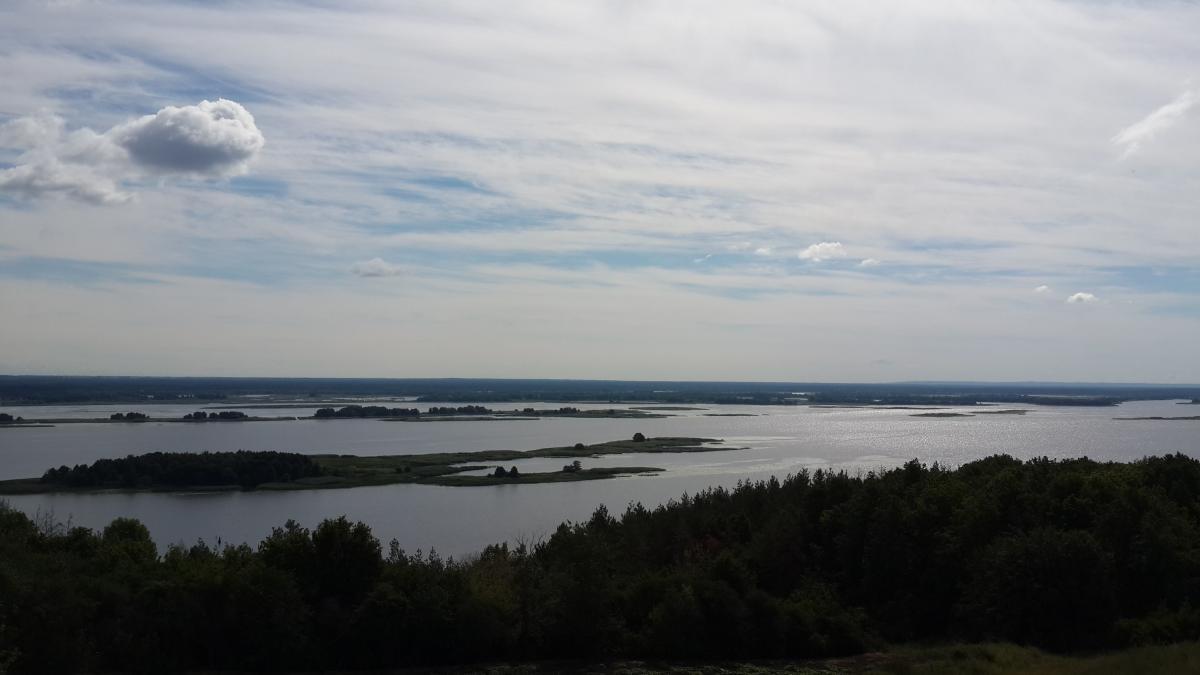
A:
(773, 440)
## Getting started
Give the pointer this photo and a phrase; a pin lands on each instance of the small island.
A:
(1190, 418)
(258, 470)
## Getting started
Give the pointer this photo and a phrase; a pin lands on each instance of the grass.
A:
(976, 659)
(440, 468)
(543, 477)
(1005, 659)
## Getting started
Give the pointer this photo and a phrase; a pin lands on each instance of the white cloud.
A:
(1132, 137)
(208, 140)
(1082, 298)
(763, 251)
(31, 132)
(823, 251)
(213, 138)
(702, 259)
(34, 180)
(80, 164)
(868, 262)
(615, 126)
(1042, 289)
(375, 267)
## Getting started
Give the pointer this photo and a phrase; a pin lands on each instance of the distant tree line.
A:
(565, 410)
(366, 411)
(462, 410)
(180, 469)
(382, 411)
(1065, 555)
(63, 389)
(201, 416)
(6, 418)
(129, 417)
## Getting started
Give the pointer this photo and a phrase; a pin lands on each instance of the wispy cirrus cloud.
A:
(1133, 137)
(535, 161)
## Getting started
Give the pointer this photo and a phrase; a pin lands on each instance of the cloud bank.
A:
(212, 140)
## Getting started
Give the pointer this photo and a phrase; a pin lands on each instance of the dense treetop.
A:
(1065, 555)
(181, 469)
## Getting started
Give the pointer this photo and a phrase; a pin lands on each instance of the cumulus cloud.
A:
(823, 251)
(763, 251)
(1042, 289)
(31, 181)
(1082, 298)
(213, 139)
(868, 262)
(80, 164)
(1132, 137)
(375, 267)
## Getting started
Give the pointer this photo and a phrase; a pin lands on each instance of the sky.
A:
(784, 191)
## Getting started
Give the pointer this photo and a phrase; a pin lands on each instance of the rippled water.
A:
(775, 441)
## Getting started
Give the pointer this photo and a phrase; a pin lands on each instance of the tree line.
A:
(383, 411)
(1061, 554)
(366, 411)
(223, 415)
(182, 469)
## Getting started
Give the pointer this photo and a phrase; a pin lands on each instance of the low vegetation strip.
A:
(1067, 556)
(964, 659)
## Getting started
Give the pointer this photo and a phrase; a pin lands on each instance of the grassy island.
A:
(244, 470)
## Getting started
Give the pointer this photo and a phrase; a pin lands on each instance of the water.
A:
(456, 521)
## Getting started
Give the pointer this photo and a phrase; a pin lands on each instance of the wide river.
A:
(776, 440)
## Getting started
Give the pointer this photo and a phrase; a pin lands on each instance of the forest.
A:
(1066, 555)
(182, 469)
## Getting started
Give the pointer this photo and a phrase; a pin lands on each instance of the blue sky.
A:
(702, 190)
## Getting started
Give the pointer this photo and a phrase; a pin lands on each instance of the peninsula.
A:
(244, 470)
